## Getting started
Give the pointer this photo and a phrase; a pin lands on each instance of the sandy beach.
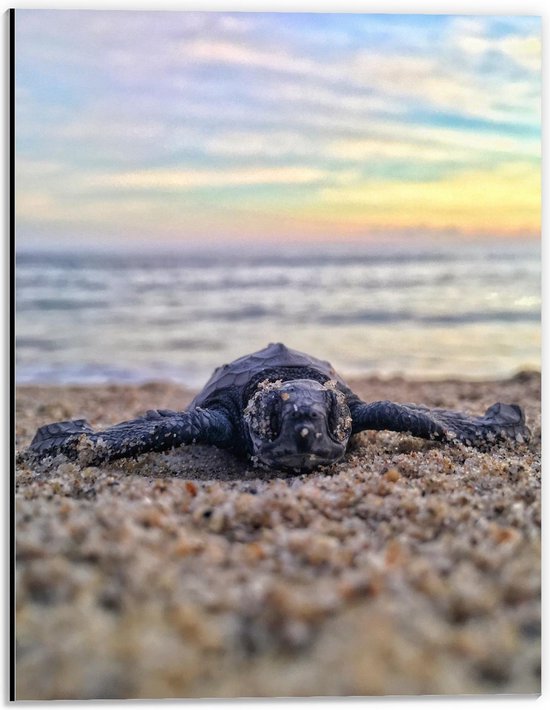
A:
(409, 568)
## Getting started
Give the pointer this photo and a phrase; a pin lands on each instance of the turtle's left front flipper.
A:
(500, 422)
(157, 430)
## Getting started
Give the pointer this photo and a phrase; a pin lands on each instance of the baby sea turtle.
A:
(280, 408)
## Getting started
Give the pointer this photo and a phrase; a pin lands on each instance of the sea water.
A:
(466, 310)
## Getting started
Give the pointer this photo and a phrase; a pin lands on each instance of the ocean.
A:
(454, 310)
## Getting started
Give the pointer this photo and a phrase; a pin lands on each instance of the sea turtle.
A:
(280, 408)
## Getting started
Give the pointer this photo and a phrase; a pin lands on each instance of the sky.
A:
(189, 127)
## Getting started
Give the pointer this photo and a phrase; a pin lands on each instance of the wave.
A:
(122, 317)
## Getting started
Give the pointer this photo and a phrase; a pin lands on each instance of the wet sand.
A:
(409, 568)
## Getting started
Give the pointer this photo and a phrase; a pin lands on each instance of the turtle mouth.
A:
(298, 462)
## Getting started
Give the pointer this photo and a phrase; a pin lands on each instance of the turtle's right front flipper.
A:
(500, 422)
(156, 431)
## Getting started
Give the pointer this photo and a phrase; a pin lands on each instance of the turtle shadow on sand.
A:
(196, 463)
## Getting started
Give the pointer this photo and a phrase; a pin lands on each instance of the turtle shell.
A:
(237, 374)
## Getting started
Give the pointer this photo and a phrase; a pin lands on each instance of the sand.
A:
(409, 568)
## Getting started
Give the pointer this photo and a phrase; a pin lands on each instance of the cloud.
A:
(38, 169)
(524, 50)
(170, 179)
(377, 141)
(260, 144)
(473, 38)
(432, 77)
(433, 145)
(162, 58)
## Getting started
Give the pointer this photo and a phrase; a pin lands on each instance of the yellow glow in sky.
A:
(504, 200)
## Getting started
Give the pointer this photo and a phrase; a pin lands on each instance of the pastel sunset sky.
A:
(171, 127)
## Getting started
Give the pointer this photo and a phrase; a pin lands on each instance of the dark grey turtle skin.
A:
(280, 408)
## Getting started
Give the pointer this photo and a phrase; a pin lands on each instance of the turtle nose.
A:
(305, 434)
(304, 430)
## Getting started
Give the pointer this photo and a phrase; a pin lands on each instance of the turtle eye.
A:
(274, 423)
(338, 419)
(273, 412)
(333, 411)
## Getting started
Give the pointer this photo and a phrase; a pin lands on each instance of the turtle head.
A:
(298, 424)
